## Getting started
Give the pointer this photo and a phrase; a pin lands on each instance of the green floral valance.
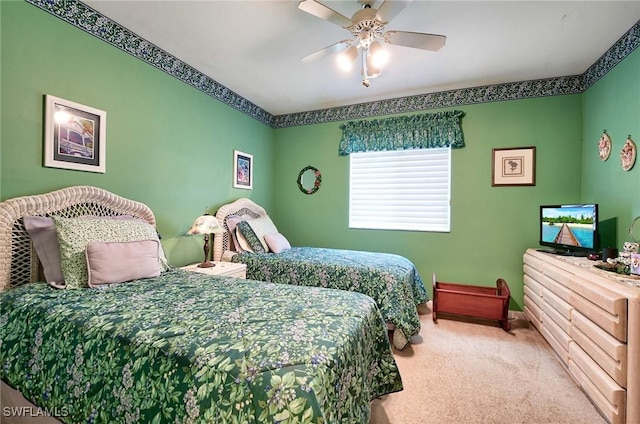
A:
(403, 132)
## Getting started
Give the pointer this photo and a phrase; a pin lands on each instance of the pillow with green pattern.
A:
(75, 234)
(250, 236)
(263, 226)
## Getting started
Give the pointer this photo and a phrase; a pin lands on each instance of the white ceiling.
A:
(254, 47)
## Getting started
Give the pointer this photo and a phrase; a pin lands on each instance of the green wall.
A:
(171, 147)
(490, 226)
(613, 104)
(168, 144)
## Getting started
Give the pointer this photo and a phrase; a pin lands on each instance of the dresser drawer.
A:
(556, 287)
(533, 285)
(601, 305)
(532, 278)
(608, 352)
(558, 317)
(609, 319)
(533, 312)
(558, 275)
(562, 307)
(533, 296)
(610, 301)
(532, 262)
(557, 338)
(608, 396)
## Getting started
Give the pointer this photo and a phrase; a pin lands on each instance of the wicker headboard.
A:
(18, 260)
(241, 207)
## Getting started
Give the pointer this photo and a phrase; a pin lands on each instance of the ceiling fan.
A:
(367, 26)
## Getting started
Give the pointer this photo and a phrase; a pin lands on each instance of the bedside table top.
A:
(230, 269)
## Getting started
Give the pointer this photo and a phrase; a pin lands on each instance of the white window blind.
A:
(401, 190)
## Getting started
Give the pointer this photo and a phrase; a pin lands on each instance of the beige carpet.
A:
(463, 372)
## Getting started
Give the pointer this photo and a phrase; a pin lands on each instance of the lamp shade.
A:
(345, 59)
(378, 55)
(372, 70)
(206, 224)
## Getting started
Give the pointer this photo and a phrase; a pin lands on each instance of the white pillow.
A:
(262, 226)
(277, 242)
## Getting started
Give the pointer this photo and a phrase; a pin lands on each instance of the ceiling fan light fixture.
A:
(371, 70)
(345, 59)
(379, 56)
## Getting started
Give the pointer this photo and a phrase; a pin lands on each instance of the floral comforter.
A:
(391, 280)
(192, 348)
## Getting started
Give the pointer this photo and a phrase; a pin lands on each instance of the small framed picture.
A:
(634, 265)
(74, 136)
(242, 170)
(513, 167)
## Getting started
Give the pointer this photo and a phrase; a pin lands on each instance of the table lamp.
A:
(206, 224)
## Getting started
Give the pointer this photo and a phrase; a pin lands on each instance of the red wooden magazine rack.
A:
(472, 301)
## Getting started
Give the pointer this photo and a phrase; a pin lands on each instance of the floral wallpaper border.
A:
(89, 20)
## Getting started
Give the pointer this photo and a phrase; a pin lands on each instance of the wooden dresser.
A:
(591, 319)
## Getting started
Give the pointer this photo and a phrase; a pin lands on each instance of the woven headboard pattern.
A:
(18, 261)
(241, 207)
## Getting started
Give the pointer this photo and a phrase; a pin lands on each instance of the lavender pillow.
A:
(117, 262)
(44, 236)
(277, 242)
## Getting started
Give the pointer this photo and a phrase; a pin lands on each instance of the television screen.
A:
(569, 228)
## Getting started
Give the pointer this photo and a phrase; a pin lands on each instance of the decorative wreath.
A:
(316, 184)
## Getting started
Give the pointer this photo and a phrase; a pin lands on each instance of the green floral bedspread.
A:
(192, 348)
(391, 280)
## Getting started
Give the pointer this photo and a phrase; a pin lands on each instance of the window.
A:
(401, 189)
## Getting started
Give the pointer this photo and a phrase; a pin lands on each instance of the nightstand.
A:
(227, 269)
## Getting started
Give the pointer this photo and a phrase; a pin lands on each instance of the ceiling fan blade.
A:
(334, 48)
(321, 11)
(416, 40)
(389, 9)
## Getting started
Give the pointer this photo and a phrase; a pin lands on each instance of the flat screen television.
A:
(569, 229)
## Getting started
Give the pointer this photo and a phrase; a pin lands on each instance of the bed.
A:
(180, 346)
(391, 280)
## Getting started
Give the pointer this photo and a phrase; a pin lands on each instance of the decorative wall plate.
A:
(628, 154)
(604, 146)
